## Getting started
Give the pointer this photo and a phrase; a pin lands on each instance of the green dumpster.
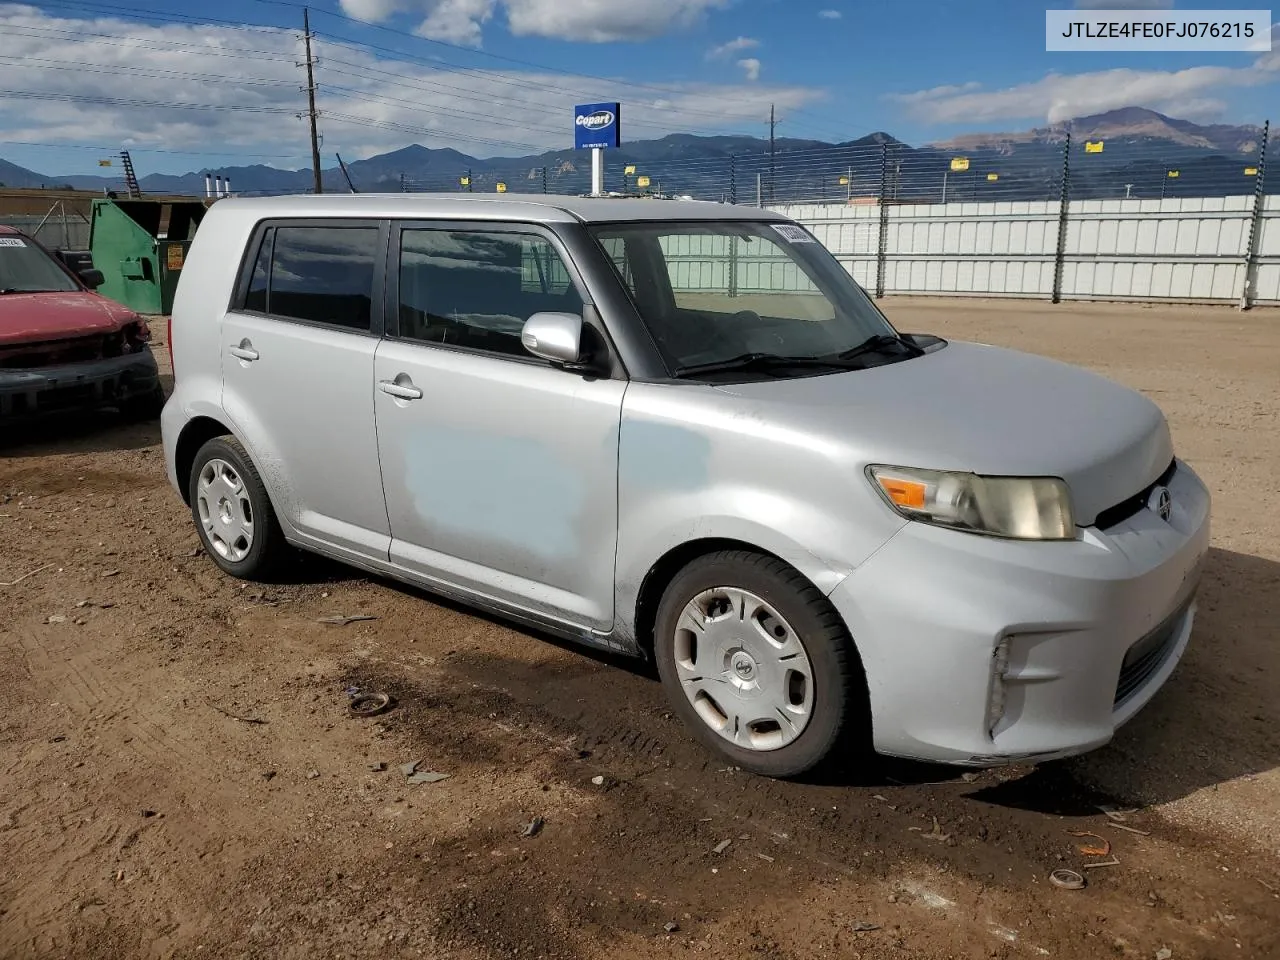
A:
(140, 247)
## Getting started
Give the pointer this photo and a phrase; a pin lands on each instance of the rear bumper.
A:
(981, 651)
(76, 386)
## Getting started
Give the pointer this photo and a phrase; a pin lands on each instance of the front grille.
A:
(1147, 655)
(1131, 507)
(53, 353)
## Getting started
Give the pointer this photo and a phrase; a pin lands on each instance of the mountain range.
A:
(1144, 151)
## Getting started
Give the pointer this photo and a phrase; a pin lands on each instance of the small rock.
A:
(533, 827)
(969, 777)
(111, 573)
(722, 846)
(862, 926)
(378, 767)
(409, 769)
(893, 898)
(312, 774)
(56, 618)
(268, 774)
(148, 813)
(671, 926)
(598, 781)
(428, 776)
(1164, 953)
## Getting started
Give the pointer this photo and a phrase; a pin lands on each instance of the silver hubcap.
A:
(225, 511)
(744, 669)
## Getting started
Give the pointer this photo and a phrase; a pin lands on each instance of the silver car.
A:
(681, 431)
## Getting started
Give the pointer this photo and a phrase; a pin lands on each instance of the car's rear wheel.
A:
(233, 514)
(758, 663)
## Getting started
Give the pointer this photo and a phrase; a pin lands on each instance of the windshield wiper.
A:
(879, 344)
(764, 362)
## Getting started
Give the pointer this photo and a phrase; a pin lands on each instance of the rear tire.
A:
(759, 664)
(233, 514)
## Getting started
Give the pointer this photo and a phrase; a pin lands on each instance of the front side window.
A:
(321, 274)
(734, 292)
(475, 289)
(27, 268)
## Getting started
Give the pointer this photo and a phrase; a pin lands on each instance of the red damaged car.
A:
(65, 347)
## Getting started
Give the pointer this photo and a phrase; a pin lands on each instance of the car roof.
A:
(537, 207)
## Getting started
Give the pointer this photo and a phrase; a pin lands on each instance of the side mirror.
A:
(554, 336)
(92, 278)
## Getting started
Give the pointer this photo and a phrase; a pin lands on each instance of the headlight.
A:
(1020, 508)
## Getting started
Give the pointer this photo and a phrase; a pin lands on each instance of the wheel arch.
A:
(665, 569)
(195, 434)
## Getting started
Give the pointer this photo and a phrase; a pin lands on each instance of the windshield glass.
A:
(714, 294)
(26, 268)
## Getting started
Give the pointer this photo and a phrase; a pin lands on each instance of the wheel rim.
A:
(744, 669)
(225, 511)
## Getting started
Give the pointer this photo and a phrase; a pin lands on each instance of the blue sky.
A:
(187, 85)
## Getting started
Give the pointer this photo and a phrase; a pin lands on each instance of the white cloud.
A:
(1189, 93)
(830, 14)
(456, 21)
(732, 47)
(592, 21)
(750, 68)
(212, 89)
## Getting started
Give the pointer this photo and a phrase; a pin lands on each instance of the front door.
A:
(500, 469)
(297, 372)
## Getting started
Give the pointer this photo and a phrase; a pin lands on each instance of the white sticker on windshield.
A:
(12, 242)
(792, 233)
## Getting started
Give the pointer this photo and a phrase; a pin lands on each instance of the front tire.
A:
(758, 663)
(233, 514)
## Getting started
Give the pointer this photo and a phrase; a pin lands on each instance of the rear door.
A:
(500, 469)
(298, 377)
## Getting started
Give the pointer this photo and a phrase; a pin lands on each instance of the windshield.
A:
(719, 297)
(26, 268)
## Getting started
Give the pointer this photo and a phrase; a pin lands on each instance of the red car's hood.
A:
(36, 317)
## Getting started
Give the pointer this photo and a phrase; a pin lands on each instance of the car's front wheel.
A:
(758, 663)
(233, 514)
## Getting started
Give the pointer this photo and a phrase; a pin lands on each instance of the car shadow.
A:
(1218, 717)
(1216, 720)
(81, 432)
(78, 432)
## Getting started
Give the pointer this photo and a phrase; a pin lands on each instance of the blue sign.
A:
(597, 125)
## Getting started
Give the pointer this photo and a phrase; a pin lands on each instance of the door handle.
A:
(401, 391)
(244, 351)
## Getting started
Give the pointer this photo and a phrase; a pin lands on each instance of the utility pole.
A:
(311, 101)
(773, 124)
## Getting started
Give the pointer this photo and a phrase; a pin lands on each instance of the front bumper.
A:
(984, 651)
(77, 386)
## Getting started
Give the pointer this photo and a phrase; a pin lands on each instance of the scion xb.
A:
(680, 430)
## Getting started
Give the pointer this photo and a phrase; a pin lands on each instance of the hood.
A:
(36, 317)
(982, 409)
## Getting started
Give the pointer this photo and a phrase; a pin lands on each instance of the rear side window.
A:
(321, 274)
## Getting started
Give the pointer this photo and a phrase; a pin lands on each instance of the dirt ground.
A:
(179, 776)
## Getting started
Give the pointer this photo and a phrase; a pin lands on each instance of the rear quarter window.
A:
(321, 274)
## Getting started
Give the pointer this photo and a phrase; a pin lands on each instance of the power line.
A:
(515, 60)
(133, 148)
